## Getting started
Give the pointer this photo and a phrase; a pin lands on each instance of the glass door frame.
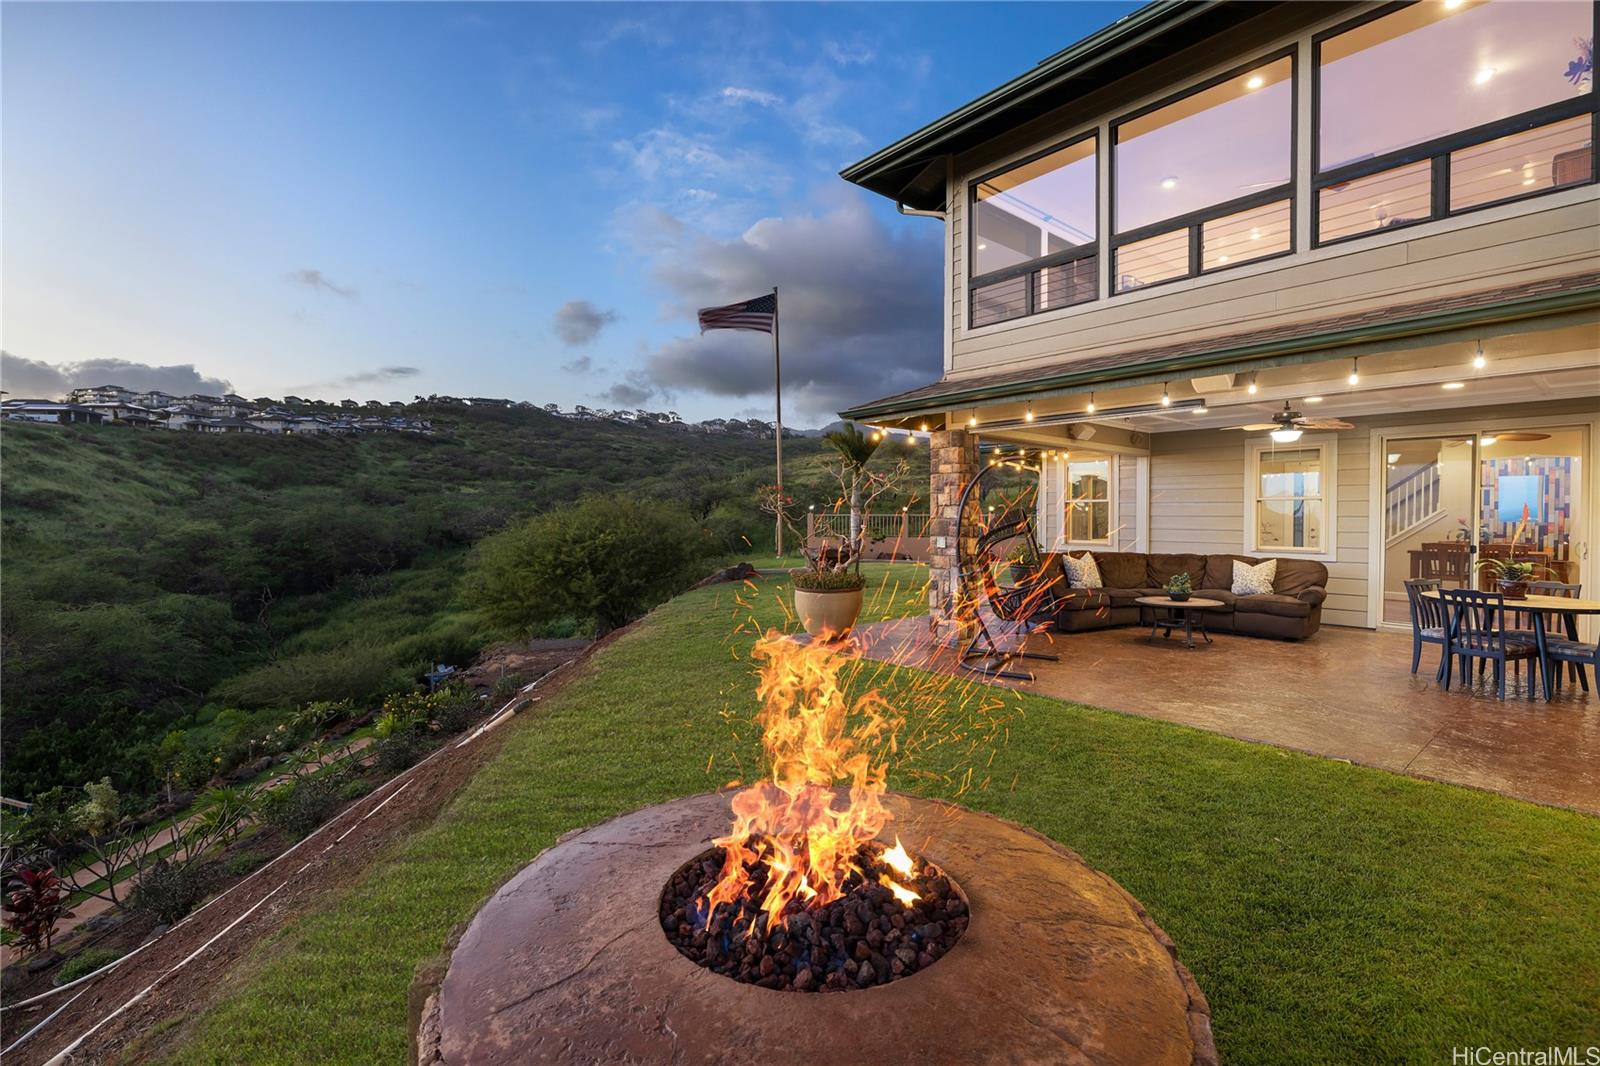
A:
(1385, 437)
(1586, 512)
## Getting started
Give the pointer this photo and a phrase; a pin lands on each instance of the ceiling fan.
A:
(1287, 425)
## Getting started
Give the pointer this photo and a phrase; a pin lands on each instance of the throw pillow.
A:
(1254, 580)
(1083, 572)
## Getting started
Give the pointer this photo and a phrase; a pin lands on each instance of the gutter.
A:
(1278, 352)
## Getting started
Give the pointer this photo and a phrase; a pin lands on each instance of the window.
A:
(1291, 499)
(1033, 238)
(1448, 105)
(1086, 501)
(1203, 181)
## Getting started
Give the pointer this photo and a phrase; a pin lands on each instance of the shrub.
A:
(168, 891)
(299, 808)
(398, 751)
(606, 559)
(35, 900)
(244, 862)
(85, 962)
(826, 580)
(357, 672)
(508, 686)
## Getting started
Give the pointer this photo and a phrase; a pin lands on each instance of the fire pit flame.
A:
(816, 738)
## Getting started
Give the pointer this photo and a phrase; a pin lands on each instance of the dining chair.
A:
(1560, 651)
(1477, 630)
(1554, 624)
(1429, 622)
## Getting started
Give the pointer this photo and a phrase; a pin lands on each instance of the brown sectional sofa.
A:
(1293, 611)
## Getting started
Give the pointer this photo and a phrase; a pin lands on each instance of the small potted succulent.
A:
(1179, 587)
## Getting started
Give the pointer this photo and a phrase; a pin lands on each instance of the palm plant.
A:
(855, 451)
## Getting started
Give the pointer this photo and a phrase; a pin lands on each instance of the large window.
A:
(1202, 182)
(1446, 105)
(1086, 500)
(1291, 499)
(1033, 235)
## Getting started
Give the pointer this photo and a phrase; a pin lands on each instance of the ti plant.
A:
(35, 900)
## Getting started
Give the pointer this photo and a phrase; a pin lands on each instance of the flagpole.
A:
(777, 397)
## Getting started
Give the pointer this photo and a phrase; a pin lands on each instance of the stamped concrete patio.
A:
(1344, 693)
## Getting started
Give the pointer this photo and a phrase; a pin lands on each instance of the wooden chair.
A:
(1554, 624)
(1478, 631)
(1560, 651)
(1429, 622)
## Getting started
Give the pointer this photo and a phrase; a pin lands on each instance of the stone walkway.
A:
(1344, 693)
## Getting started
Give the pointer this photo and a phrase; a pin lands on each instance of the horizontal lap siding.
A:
(1198, 504)
(1127, 535)
(1544, 241)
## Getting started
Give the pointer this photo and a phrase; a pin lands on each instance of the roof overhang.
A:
(912, 171)
(1576, 300)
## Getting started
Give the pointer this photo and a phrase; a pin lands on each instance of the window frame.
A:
(1042, 263)
(1437, 150)
(1329, 447)
(1194, 221)
(1063, 539)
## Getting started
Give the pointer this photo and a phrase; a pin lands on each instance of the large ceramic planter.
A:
(1513, 590)
(828, 615)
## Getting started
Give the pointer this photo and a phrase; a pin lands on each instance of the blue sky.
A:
(378, 200)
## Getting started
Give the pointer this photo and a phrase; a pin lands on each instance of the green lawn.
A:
(1332, 913)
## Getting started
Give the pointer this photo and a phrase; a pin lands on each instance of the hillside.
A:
(158, 581)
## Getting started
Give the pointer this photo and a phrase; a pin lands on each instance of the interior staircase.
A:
(1412, 502)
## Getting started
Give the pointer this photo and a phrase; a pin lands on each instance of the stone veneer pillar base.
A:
(953, 460)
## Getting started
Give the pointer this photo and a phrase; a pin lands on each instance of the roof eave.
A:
(1300, 348)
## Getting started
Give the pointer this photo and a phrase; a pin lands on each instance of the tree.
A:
(602, 561)
(857, 483)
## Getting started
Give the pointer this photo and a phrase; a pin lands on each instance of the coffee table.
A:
(1171, 613)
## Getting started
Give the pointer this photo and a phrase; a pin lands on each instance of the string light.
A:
(1251, 389)
(1166, 401)
(1355, 371)
(1480, 360)
(924, 427)
(1091, 403)
(973, 420)
(1029, 416)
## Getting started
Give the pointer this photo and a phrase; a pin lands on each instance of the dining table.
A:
(1568, 607)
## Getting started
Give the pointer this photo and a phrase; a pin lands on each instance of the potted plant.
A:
(1017, 569)
(827, 590)
(1512, 574)
(1179, 587)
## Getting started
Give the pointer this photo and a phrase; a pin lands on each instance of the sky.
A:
(525, 200)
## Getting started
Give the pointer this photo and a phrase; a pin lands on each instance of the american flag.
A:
(758, 314)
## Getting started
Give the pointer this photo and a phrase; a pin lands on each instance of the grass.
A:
(1332, 913)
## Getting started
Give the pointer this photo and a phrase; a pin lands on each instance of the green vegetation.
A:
(605, 560)
(1332, 913)
(84, 962)
(170, 599)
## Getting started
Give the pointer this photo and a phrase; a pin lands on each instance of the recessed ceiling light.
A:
(1169, 183)
(1483, 75)
(982, 247)
(1453, 385)
(1489, 438)
(1202, 409)
(1255, 82)
(1313, 399)
(1222, 259)
(1451, 5)
(1255, 235)
(1527, 181)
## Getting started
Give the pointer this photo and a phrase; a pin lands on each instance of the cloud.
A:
(317, 281)
(849, 55)
(859, 303)
(581, 365)
(632, 391)
(735, 94)
(34, 379)
(379, 375)
(578, 322)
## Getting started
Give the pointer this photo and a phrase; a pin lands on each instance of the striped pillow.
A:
(1254, 580)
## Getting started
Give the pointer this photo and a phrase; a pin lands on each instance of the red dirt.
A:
(322, 864)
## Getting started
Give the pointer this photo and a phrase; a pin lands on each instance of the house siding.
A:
(1197, 492)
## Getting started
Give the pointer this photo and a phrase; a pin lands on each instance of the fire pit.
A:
(711, 929)
(569, 963)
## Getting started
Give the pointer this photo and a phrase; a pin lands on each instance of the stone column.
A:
(953, 460)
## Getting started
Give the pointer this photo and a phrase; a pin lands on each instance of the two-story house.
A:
(1277, 279)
